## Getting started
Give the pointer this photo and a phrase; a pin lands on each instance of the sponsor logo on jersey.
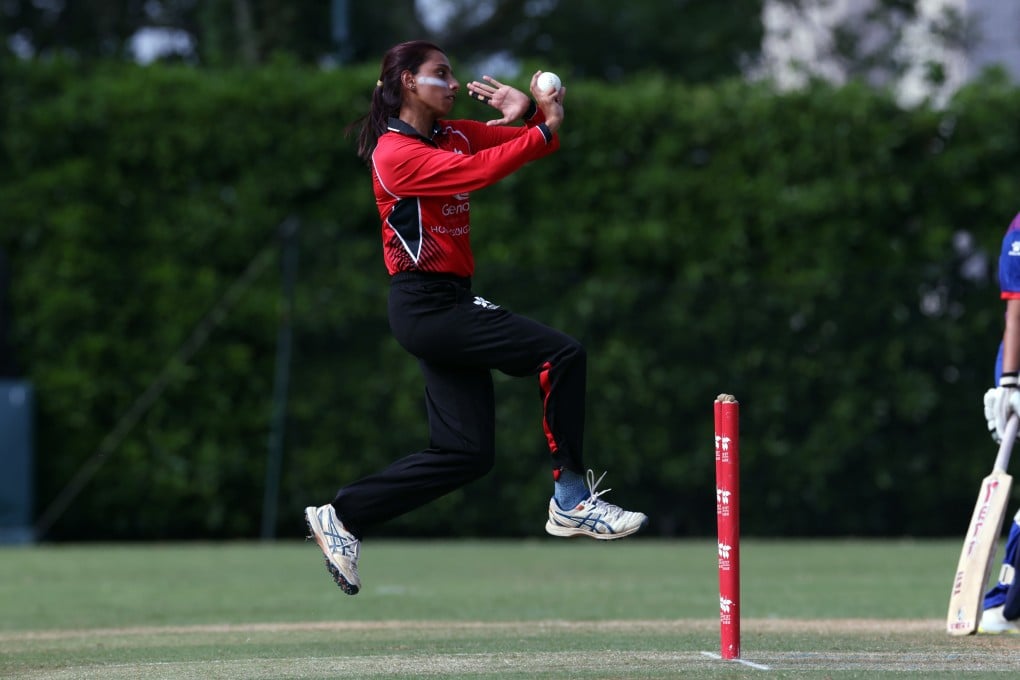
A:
(451, 231)
(456, 208)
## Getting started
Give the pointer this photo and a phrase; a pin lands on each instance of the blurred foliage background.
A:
(826, 255)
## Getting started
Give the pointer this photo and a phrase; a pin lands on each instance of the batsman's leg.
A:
(1002, 601)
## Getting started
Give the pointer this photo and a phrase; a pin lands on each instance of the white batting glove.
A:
(999, 403)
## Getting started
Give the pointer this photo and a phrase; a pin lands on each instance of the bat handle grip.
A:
(1006, 447)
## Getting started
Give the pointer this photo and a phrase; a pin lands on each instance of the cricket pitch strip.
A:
(436, 648)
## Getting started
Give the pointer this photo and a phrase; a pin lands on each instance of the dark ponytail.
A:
(388, 95)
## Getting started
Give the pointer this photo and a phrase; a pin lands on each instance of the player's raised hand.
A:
(509, 101)
(550, 101)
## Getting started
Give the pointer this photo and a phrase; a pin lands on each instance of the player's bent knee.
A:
(482, 463)
(577, 353)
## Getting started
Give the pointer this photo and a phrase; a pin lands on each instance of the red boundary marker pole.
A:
(727, 507)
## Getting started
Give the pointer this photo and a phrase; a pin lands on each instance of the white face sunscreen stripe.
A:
(429, 80)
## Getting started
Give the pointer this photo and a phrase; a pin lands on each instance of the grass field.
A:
(546, 608)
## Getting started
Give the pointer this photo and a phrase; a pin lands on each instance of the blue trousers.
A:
(1006, 592)
(1003, 593)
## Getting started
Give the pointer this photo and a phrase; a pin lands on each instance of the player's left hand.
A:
(999, 403)
(509, 101)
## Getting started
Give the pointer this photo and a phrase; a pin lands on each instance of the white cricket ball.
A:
(548, 82)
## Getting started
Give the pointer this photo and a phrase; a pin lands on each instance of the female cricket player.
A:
(1002, 603)
(424, 167)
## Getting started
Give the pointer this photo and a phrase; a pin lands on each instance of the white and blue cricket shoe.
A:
(339, 546)
(994, 623)
(593, 517)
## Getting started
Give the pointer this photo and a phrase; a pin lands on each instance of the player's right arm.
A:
(1009, 285)
(1004, 398)
(1011, 336)
(409, 167)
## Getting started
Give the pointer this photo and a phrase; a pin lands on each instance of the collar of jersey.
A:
(396, 125)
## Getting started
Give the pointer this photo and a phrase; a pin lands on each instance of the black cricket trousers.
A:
(459, 338)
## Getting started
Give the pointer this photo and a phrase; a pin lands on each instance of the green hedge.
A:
(807, 252)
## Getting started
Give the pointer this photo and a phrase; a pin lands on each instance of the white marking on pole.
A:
(750, 664)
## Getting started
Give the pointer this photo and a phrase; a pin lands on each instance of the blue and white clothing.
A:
(1006, 591)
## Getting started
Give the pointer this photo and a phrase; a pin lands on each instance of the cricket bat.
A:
(981, 540)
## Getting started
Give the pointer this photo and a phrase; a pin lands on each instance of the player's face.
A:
(434, 84)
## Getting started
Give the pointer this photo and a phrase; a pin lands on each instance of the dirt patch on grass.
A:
(546, 664)
(883, 646)
(823, 626)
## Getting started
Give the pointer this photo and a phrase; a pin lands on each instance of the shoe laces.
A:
(597, 504)
(340, 540)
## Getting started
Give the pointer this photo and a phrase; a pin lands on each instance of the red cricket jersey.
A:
(422, 186)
